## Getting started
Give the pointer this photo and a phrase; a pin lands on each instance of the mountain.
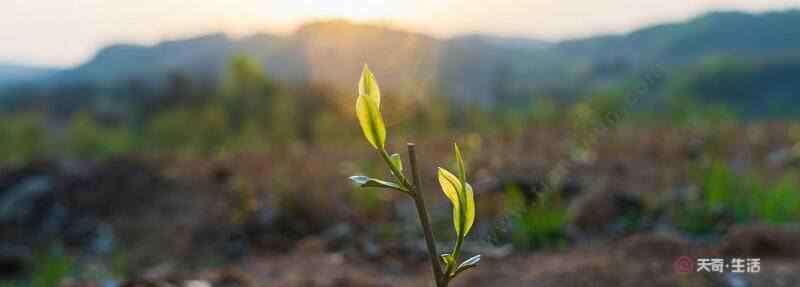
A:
(716, 33)
(479, 68)
(203, 57)
(10, 73)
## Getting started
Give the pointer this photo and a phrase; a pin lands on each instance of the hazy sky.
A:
(67, 32)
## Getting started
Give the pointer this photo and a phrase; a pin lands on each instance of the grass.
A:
(781, 203)
(51, 267)
(728, 198)
(538, 224)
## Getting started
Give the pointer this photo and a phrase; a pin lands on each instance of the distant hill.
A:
(714, 34)
(10, 73)
(481, 68)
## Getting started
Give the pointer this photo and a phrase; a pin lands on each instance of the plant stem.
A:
(419, 202)
(396, 172)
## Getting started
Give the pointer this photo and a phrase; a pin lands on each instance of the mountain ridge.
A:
(476, 67)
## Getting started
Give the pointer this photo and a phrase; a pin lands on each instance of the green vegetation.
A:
(85, 138)
(51, 267)
(536, 224)
(728, 198)
(23, 138)
(445, 266)
(780, 203)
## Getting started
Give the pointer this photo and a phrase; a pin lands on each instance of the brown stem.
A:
(419, 202)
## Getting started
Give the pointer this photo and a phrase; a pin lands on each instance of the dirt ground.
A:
(288, 217)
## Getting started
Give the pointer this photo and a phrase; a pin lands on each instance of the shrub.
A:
(536, 224)
(780, 203)
(51, 267)
(88, 139)
(727, 198)
(24, 138)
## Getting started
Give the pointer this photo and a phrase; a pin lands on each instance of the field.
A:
(619, 213)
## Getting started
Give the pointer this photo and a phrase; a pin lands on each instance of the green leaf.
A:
(365, 181)
(368, 86)
(450, 186)
(465, 196)
(397, 161)
(460, 194)
(469, 263)
(469, 208)
(462, 175)
(368, 110)
(452, 189)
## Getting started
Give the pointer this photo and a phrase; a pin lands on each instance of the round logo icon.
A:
(684, 264)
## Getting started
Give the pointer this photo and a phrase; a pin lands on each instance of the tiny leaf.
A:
(469, 263)
(447, 260)
(460, 161)
(397, 161)
(365, 181)
(368, 110)
(368, 86)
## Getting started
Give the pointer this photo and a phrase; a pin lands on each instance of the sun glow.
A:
(80, 27)
(293, 13)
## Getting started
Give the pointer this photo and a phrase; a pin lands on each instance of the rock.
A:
(695, 148)
(595, 212)
(18, 203)
(338, 237)
(571, 187)
(761, 241)
(196, 283)
(785, 157)
(13, 261)
(267, 229)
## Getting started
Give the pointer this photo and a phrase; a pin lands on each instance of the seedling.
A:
(445, 266)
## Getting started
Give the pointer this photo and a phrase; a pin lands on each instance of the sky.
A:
(64, 33)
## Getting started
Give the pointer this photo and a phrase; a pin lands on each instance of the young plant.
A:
(456, 189)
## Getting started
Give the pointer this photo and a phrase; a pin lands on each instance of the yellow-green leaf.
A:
(460, 194)
(460, 161)
(469, 208)
(368, 110)
(368, 86)
(451, 187)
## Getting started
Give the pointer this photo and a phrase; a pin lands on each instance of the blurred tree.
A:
(246, 92)
(24, 137)
(86, 138)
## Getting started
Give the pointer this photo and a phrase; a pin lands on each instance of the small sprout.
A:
(447, 260)
(365, 181)
(368, 110)
(456, 189)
